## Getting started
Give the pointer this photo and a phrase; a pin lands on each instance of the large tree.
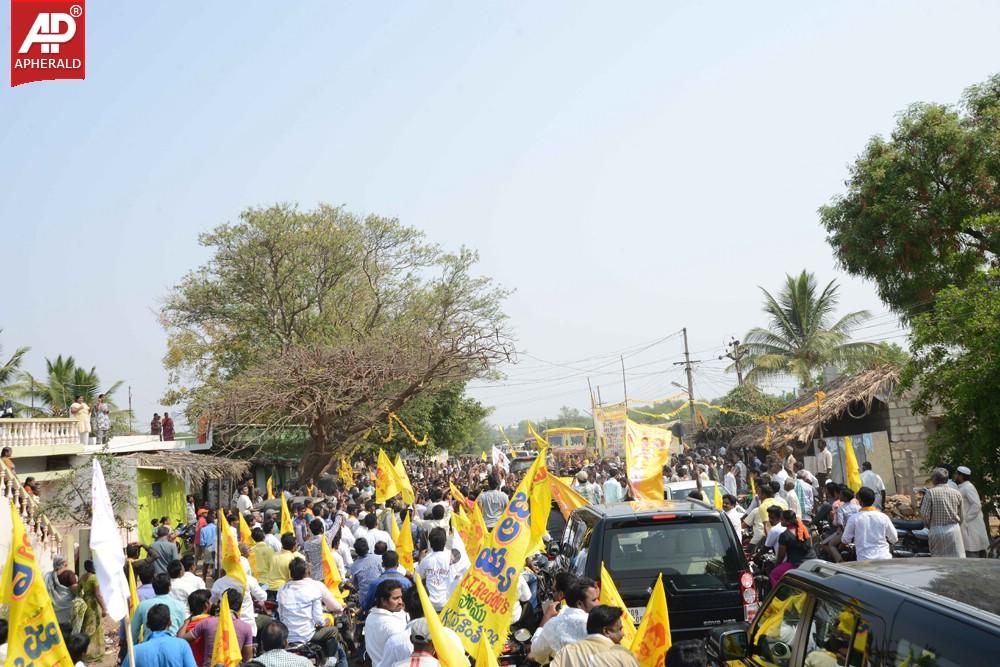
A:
(955, 371)
(922, 208)
(802, 337)
(327, 320)
(10, 373)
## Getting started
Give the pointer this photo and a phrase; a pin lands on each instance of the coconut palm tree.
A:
(802, 338)
(63, 381)
(9, 375)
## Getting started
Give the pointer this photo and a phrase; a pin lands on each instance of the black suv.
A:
(908, 612)
(694, 546)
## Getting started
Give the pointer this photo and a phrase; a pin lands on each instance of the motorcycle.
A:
(912, 537)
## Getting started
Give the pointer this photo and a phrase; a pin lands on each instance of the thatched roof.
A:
(800, 419)
(199, 468)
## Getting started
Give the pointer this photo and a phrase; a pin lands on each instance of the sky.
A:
(629, 169)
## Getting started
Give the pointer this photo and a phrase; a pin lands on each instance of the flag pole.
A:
(131, 644)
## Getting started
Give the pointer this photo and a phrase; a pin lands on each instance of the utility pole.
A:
(687, 368)
(736, 353)
(624, 386)
(130, 415)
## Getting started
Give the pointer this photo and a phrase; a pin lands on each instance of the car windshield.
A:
(692, 556)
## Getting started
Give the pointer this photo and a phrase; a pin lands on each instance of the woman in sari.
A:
(92, 625)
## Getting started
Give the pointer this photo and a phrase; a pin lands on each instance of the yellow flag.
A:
(753, 487)
(386, 485)
(404, 544)
(851, 465)
(403, 481)
(247, 538)
(566, 498)
(33, 637)
(226, 649)
(229, 554)
(718, 497)
(448, 654)
(133, 592)
(393, 528)
(331, 573)
(270, 489)
(610, 596)
(286, 517)
(346, 473)
(652, 639)
(485, 656)
(461, 524)
(483, 457)
(480, 607)
(459, 496)
(541, 503)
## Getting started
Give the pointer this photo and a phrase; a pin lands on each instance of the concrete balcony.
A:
(40, 437)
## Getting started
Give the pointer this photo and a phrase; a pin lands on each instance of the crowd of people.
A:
(285, 601)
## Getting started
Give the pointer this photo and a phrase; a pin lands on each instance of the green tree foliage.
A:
(68, 498)
(956, 369)
(326, 320)
(747, 399)
(10, 374)
(802, 337)
(922, 208)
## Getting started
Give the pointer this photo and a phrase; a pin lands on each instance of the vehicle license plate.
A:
(636, 613)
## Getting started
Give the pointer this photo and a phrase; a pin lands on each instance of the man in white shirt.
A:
(589, 490)
(734, 512)
(776, 529)
(246, 613)
(613, 491)
(183, 580)
(729, 480)
(436, 569)
(301, 602)
(374, 535)
(386, 619)
(570, 625)
(824, 463)
(792, 497)
(873, 481)
(243, 503)
(399, 647)
(975, 539)
(871, 531)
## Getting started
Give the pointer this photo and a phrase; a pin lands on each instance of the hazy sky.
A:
(629, 168)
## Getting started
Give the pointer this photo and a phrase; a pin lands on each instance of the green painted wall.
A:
(172, 500)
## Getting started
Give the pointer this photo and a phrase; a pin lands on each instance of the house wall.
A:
(908, 435)
(171, 501)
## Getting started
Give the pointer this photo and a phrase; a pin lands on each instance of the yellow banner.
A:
(331, 573)
(346, 473)
(851, 464)
(610, 596)
(270, 489)
(229, 554)
(403, 481)
(34, 638)
(286, 517)
(247, 538)
(404, 544)
(652, 639)
(226, 650)
(566, 498)
(647, 450)
(386, 485)
(459, 496)
(471, 528)
(480, 608)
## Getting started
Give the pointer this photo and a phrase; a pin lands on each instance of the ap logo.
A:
(47, 40)
(50, 30)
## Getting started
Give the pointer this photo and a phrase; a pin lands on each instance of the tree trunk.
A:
(317, 452)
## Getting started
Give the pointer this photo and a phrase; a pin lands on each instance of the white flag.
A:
(500, 460)
(107, 548)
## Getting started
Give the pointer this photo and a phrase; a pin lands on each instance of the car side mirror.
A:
(729, 644)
